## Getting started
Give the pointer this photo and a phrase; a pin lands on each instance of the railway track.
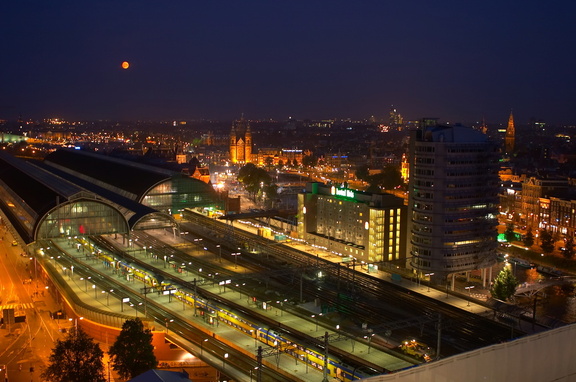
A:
(368, 299)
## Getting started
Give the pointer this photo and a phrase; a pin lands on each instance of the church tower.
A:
(240, 142)
(248, 144)
(233, 158)
(510, 133)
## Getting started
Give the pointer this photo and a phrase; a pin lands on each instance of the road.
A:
(26, 346)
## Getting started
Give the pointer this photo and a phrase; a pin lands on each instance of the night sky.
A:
(460, 61)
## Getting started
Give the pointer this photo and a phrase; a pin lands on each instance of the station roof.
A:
(29, 191)
(135, 211)
(33, 189)
(130, 179)
(38, 188)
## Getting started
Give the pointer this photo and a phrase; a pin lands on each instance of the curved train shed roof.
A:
(37, 188)
(136, 212)
(129, 178)
(30, 193)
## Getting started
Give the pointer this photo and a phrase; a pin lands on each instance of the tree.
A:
(269, 161)
(194, 163)
(389, 178)
(253, 178)
(363, 173)
(509, 233)
(568, 250)
(529, 238)
(77, 358)
(546, 241)
(504, 285)
(271, 192)
(309, 160)
(246, 171)
(132, 353)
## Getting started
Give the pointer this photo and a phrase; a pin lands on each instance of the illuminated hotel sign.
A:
(342, 192)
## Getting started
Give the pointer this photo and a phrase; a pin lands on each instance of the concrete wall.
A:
(542, 357)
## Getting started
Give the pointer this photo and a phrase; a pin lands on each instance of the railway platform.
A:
(95, 296)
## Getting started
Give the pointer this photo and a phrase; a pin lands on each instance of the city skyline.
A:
(189, 60)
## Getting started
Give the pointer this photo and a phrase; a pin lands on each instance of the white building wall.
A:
(543, 357)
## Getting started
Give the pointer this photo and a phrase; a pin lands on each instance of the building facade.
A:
(353, 224)
(240, 142)
(453, 201)
(274, 156)
(533, 191)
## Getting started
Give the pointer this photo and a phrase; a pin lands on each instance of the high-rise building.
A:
(510, 135)
(240, 142)
(395, 119)
(453, 201)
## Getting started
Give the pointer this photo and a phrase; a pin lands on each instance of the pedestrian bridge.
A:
(531, 289)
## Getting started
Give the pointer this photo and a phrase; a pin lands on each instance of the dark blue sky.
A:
(457, 60)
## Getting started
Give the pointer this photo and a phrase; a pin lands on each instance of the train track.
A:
(369, 299)
(252, 315)
(183, 327)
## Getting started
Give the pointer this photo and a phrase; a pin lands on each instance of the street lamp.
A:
(224, 360)
(469, 292)
(251, 371)
(429, 280)
(125, 299)
(197, 242)
(369, 340)
(168, 321)
(236, 254)
(316, 316)
(76, 322)
(108, 296)
(202, 345)
(219, 252)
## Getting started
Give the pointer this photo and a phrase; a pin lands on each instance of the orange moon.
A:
(125, 65)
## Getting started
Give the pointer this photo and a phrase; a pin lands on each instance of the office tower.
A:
(453, 201)
(395, 119)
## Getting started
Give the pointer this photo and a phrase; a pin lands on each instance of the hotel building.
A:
(356, 225)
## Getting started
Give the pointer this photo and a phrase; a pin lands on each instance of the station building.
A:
(356, 225)
(75, 193)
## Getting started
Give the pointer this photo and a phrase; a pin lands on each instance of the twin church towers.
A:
(240, 142)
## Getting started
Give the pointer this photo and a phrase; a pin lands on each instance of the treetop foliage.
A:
(77, 358)
(546, 241)
(133, 353)
(504, 285)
